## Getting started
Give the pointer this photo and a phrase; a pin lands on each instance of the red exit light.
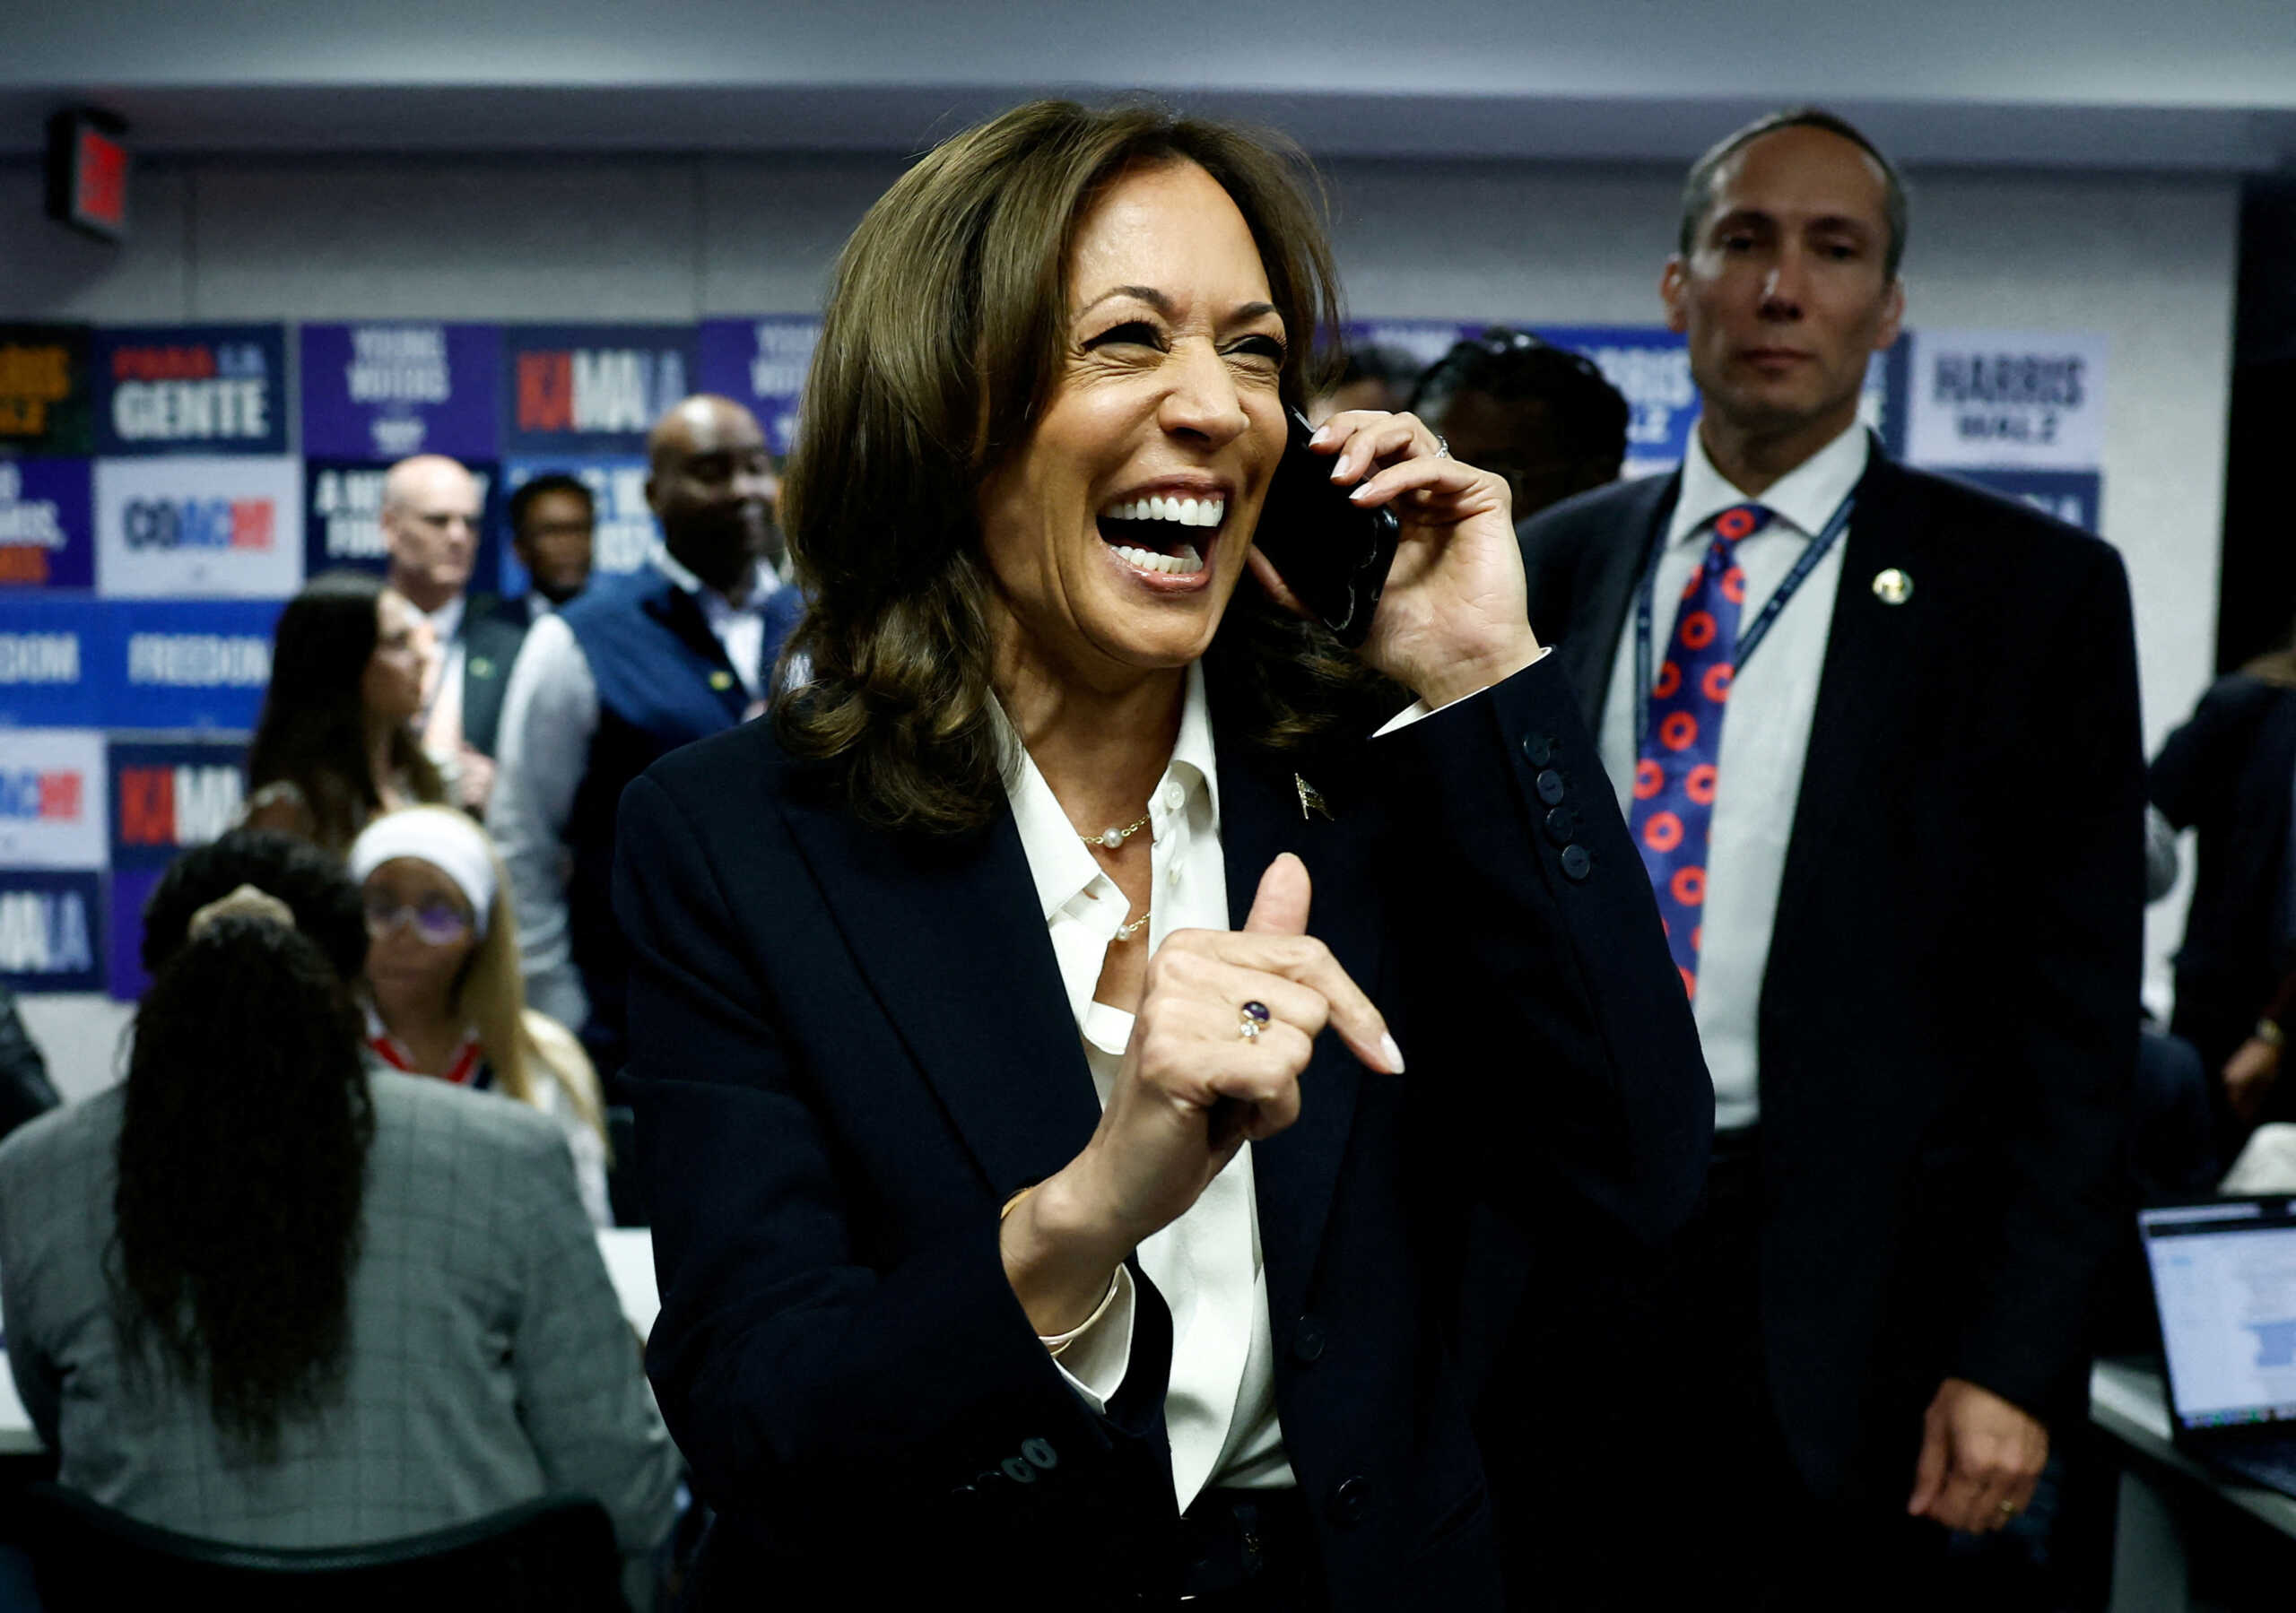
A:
(87, 172)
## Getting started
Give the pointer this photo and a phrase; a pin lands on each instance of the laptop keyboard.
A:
(2274, 1466)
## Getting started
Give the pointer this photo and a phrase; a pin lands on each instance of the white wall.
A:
(2149, 261)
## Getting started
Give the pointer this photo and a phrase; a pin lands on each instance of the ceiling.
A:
(2053, 83)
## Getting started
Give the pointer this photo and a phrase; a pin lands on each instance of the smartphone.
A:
(1330, 552)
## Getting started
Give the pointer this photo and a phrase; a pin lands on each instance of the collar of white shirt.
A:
(764, 581)
(1063, 869)
(1804, 498)
(447, 620)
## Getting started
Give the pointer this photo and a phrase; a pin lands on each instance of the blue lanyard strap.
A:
(1748, 640)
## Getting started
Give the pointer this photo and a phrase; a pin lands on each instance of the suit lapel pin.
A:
(721, 682)
(1893, 587)
(481, 667)
(1311, 798)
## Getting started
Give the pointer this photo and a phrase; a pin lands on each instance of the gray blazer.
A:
(490, 1362)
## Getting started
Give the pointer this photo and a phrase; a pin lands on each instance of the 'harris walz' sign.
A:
(590, 389)
(191, 389)
(44, 390)
(2014, 399)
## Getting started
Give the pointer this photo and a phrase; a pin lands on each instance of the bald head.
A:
(429, 518)
(711, 485)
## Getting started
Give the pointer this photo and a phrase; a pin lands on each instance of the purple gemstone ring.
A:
(1253, 1020)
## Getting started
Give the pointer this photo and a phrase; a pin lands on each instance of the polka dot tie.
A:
(1674, 768)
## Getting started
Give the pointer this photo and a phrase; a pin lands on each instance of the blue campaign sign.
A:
(185, 664)
(590, 389)
(343, 517)
(47, 524)
(760, 362)
(51, 929)
(1650, 366)
(385, 391)
(130, 893)
(50, 648)
(170, 795)
(625, 533)
(2075, 497)
(190, 389)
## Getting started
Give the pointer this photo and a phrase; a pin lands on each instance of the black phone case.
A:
(1331, 552)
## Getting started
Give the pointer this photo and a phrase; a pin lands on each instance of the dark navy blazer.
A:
(850, 1047)
(1948, 1015)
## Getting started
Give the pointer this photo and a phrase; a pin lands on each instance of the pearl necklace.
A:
(1113, 838)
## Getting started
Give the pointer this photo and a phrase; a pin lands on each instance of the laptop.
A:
(2224, 1282)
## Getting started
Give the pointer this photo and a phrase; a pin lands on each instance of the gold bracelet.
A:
(1057, 1342)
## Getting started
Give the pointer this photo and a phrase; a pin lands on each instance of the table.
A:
(2150, 1573)
(629, 1254)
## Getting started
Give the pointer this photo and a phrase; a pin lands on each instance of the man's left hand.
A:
(1981, 1458)
(474, 780)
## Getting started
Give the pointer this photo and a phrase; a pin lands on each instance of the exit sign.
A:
(87, 172)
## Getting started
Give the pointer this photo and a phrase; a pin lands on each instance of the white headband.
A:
(440, 836)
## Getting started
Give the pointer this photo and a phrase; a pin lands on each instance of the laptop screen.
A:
(2224, 1278)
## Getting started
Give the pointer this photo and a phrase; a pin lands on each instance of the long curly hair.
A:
(313, 729)
(939, 344)
(243, 1145)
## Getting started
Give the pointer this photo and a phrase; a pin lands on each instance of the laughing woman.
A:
(1041, 1198)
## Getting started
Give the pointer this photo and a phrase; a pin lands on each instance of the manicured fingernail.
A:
(1323, 435)
(1360, 491)
(1395, 1054)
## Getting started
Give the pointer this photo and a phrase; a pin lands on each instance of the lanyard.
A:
(1836, 524)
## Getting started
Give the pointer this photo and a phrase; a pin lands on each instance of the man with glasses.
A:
(1541, 416)
(1903, 886)
(431, 507)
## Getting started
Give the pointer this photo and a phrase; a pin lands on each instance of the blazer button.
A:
(1349, 1497)
(1539, 749)
(1308, 1340)
(1018, 1471)
(1563, 824)
(1576, 863)
(1039, 1454)
(1549, 785)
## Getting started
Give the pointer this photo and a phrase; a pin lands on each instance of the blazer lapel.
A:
(1610, 572)
(1296, 1170)
(951, 939)
(1866, 685)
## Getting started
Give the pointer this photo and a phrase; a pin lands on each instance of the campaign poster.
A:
(2012, 399)
(343, 517)
(625, 534)
(166, 798)
(50, 649)
(227, 525)
(44, 403)
(590, 389)
(384, 391)
(48, 537)
(759, 363)
(52, 798)
(184, 664)
(2075, 497)
(1425, 340)
(191, 389)
(51, 929)
(1650, 366)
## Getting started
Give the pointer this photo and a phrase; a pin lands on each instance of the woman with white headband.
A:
(444, 994)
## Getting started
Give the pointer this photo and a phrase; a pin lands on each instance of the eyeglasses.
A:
(435, 923)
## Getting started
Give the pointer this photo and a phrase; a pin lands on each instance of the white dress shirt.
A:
(1764, 736)
(1220, 1404)
(550, 714)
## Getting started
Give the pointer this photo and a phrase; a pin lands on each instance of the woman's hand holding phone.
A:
(1454, 617)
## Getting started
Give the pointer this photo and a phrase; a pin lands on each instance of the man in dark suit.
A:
(634, 667)
(554, 519)
(1902, 884)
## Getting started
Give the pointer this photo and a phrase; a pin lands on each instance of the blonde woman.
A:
(443, 995)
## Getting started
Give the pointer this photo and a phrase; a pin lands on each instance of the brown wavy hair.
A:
(946, 319)
(243, 1143)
